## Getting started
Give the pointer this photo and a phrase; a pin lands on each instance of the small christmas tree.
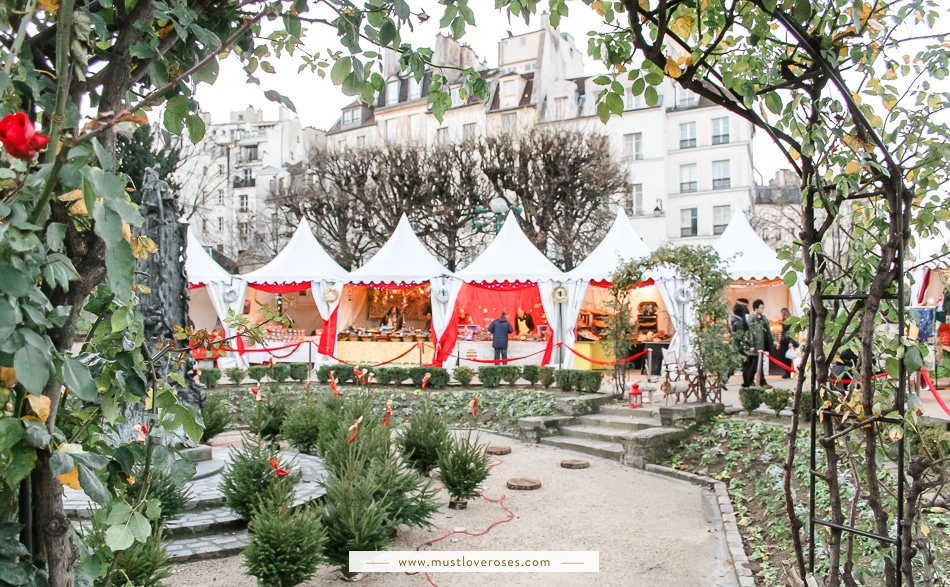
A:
(463, 466)
(423, 439)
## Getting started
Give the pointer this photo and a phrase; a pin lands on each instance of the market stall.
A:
(511, 274)
(587, 320)
(386, 311)
(301, 283)
(213, 293)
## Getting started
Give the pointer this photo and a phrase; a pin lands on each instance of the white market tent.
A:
(301, 265)
(932, 269)
(755, 268)
(213, 290)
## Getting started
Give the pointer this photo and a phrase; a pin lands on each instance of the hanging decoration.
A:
(389, 412)
(559, 294)
(275, 464)
(355, 428)
(331, 295)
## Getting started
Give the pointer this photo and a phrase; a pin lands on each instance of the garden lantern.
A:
(636, 396)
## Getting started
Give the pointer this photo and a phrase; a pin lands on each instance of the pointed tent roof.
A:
(510, 257)
(403, 259)
(620, 245)
(200, 268)
(753, 258)
(302, 260)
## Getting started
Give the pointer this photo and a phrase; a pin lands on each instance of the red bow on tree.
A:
(142, 429)
(425, 380)
(333, 384)
(275, 464)
(355, 428)
(257, 394)
(474, 405)
(306, 385)
(359, 376)
(19, 136)
(389, 411)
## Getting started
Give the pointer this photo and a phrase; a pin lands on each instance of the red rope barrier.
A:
(620, 362)
(497, 361)
(409, 350)
(933, 390)
(777, 362)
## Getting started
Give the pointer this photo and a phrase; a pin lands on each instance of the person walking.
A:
(784, 344)
(762, 339)
(743, 342)
(500, 329)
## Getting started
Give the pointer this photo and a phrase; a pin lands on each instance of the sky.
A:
(318, 101)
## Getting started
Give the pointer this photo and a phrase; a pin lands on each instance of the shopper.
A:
(500, 329)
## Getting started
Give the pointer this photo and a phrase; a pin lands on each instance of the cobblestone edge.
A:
(740, 561)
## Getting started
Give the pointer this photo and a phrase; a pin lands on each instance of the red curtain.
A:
(485, 302)
(605, 284)
(327, 344)
(281, 288)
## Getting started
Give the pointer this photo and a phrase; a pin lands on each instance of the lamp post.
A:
(493, 217)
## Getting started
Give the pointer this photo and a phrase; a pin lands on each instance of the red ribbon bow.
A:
(142, 429)
(389, 411)
(257, 394)
(425, 380)
(275, 464)
(355, 428)
(19, 136)
(474, 405)
(333, 384)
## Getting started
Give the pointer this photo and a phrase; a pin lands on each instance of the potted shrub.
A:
(464, 375)
(777, 399)
(301, 426)
(235, 374)
(490, 376)
(567, 379)
(216, 415)
(254, 472)
(280, 372)
(299, 371)
(210, 377)
(751, 398)
(547, 376)
(258, 372)
(510, 374)
(530, 373)
(463, 466)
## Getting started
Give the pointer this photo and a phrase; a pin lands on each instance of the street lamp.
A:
(493, 217)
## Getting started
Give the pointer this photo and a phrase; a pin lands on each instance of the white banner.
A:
(475, 561)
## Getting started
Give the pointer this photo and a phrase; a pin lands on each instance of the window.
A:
(636, 199)
(689, 222)
(220, 169)
(720, 175)
(248, 180)
(468, 131)
(687, 135)
(221, 197)
(686, 99)
(529, 66)
(360, 142)
(250, 153)
(243, 200)
(442, 135)
(351, 116)
(415, 127)
(524, 41)
(204, 225)
(508, 88)
(633, 146)
(688, 178)
(392, 93)
(509, 122)
(560, 108)
(632, 101)
(721, 217)
(415, 89)
(391, 129)
(244, 230)
(720, 130)
(220, 224)
(457, 98)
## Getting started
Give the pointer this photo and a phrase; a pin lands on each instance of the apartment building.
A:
(689, 161)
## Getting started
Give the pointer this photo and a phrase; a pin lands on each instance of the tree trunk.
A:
(50, 526)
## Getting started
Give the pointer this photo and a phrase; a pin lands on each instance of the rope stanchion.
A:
(933, 390)
(497, 361)
(409, 350)
(620, 362)
(777, 362)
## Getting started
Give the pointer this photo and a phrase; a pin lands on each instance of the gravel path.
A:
(649, 530)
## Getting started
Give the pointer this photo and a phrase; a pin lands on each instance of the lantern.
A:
(636, 396)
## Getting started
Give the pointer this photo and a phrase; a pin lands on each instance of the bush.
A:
(210, 377)
(464, 375)
(530, 373)
(777, 399)
(547, 376)
(301, 427)
(567, 379)
(490, 376)
(751, 398)
(589, 381)
(510, 374)
(216, 415)
(280, 372)
(343, 373)
(438, 377)
(235, 374)
(373, 440)
(167, 485)
(422, 440)
(804, 407)
(143, 564)
(396, 375)
(250, 476)
(258, 373)
(267, 417)
(463, 466)
(286, 546)
(299, 371)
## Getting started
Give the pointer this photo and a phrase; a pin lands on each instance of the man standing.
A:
(500, 329)
(762, 339)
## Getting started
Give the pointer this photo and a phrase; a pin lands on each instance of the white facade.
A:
(690, 162)
(229, 175)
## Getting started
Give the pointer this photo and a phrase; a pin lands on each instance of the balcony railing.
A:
(722, 183)
(245, 183)
(688, 186)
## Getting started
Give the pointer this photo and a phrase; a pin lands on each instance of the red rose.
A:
(19, 136)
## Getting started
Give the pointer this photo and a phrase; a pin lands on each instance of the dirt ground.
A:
(649, 530)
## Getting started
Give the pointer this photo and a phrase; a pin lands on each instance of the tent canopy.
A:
(200, 268)
(303, 260)
(621, 244)
(511, 258)
(748, 257)
(402, 260)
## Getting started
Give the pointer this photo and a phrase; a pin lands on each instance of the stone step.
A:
(182, 550)
(601, 433)
(626, 410)
(217, 520)
(625, 422)
(598, 448)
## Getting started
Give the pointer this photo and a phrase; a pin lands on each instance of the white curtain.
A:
(354, 304)
(318, 290)
(229, 297)
(570, 310)
(443, 291)
(681, 344)
(554, 313)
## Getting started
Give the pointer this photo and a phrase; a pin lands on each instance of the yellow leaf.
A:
(40, 406)
(853, 167)
(598, 8)
(126, 232)
(910, 175)
(925, 530)
(51, 6)
(896, 434)
(672, 69)
(70, 479)
(8, 376)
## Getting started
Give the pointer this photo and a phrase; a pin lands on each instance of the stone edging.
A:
(740, 561)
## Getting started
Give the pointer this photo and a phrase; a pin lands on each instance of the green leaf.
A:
(196, 128)
(340, 70)
(55, 235)
(352, 85)
(93, 487)
(14, 282)
(448, 16)
(111, 189)
(650, 96)
(77, 378)
(32, 368)
(802, 10)
(207, 38)
(21, 461)
(614, 103)
(790, 279)
(106, 160)
(35, 434)
(11, 431)
(387, 33)
(280, 99)
(60, 462)
(913, 360)
(119, 537)
(208, 72)
(774, 102)
(120, 268)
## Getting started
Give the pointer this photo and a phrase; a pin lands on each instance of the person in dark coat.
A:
(762, 339)
(743, 342)
(524, 323)
(500, 329)
(785, 343)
